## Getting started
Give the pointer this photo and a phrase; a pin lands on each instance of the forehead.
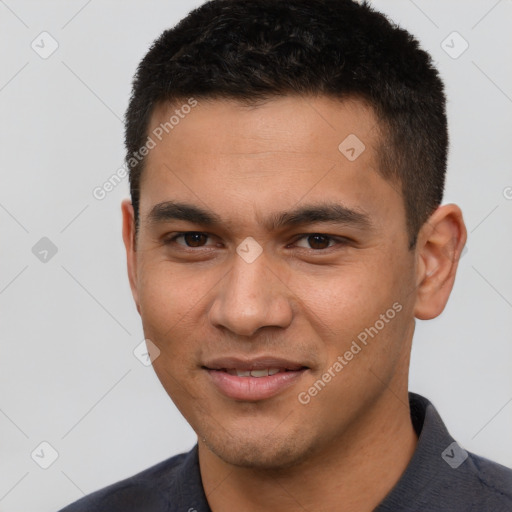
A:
(224, 154)
(290, 122)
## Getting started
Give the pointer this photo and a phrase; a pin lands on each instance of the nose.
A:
(251, 296)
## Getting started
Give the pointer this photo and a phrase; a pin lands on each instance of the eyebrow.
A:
(325, 212)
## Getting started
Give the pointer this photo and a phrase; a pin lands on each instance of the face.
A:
(263, 246)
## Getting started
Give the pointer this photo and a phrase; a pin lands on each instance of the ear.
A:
(131, 247)
(439, 246)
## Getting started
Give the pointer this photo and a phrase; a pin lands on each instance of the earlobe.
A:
(130, 247)
(440, 244)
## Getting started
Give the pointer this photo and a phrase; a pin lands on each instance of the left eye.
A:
(316, 241)
(191, 239)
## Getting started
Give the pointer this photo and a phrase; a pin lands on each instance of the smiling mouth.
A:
(257, 372)
(254, 382)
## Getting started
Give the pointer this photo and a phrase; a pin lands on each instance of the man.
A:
(285, 229)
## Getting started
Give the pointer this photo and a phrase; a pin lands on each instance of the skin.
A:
(302, 299)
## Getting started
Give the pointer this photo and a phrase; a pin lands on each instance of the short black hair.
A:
(254, 50)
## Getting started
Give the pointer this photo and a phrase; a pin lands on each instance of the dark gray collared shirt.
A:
(441, 477)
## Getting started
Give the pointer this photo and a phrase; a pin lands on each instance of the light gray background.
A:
(68, 326)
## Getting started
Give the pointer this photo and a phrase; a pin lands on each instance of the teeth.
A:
(264, 372)
(259, 373)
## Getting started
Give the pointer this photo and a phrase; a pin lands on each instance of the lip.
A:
(253, 388)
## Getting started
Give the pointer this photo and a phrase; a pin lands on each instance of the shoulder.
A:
(146, 490)
(491, 482)
(443, 476)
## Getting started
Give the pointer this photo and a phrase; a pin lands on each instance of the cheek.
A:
(167, 303)
(362, 314)
(169, 294)
(342, 303)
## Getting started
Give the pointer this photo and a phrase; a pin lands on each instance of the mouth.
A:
(253, 380)
(263, 372)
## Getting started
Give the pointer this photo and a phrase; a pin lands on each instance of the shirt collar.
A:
(427, 465)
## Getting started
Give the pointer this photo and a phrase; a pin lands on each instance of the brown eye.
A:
(315, 241)
(193, 239)
(319, 241)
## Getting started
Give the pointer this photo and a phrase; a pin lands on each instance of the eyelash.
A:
(338, 240)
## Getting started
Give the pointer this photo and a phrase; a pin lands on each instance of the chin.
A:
(266, 452)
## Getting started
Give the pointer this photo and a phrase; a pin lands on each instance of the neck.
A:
(354, 473)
